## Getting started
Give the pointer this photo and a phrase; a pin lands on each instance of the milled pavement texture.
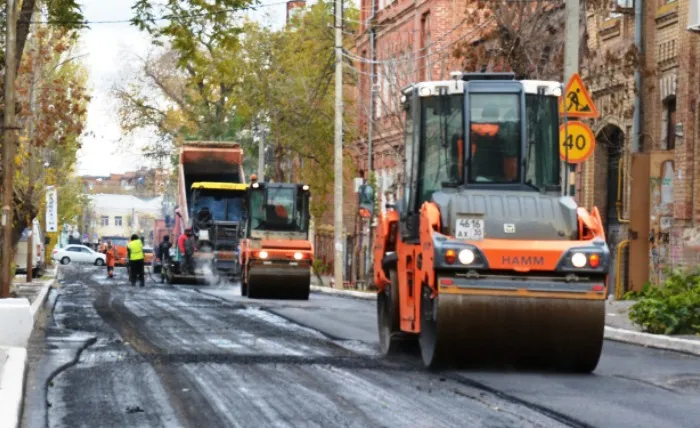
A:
(205, 356)
(165, 356)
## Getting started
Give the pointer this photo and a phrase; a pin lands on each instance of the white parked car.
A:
(78, 254)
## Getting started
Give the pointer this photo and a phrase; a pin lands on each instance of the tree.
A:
(526, 38)
(289, 80)
(51, 90)
(185, 88)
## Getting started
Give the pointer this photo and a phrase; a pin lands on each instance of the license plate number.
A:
(469, 228)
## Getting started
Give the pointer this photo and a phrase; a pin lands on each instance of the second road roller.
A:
(484, 258)
(276, 254)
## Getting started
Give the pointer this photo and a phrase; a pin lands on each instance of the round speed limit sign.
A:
(576, 141)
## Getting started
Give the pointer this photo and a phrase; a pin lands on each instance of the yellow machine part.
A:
(462, 329)
(219, 186)
(281, 282)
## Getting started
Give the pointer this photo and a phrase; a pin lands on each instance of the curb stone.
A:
(14, 369)
(41, 297)
(653, 340)
(347, 293)
(611, 333)
(12, 387)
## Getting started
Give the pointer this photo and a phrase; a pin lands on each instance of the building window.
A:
(670, 119)
(105, 220)
(117, 221)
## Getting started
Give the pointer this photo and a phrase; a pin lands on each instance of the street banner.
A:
(51, 209)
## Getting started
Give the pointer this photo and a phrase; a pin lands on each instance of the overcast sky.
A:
(106, 47)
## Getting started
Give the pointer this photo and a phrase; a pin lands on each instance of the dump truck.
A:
(276, 254)
(484, 258)
(211, 193)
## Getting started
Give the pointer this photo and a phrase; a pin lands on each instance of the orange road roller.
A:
(484, 258)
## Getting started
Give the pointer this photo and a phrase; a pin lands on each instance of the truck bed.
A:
(218, 161)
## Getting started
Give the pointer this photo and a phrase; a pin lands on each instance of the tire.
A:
(99, 262)
(244, 288)
(65, 261)
(392, 340)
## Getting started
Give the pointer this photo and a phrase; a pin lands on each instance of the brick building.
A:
(645, 197)
(413, 41)
(143, 181)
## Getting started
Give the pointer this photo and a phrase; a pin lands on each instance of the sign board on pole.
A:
(579, 141)
(577, 101)
(51, 209)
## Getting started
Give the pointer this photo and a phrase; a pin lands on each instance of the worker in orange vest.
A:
(110, 254)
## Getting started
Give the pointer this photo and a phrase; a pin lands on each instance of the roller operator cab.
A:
(483, 260)
(276, 255)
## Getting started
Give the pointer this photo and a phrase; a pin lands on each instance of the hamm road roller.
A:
(276, 254)
(484, 259)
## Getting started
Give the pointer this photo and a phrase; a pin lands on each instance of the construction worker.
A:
(164, 255)
(111, 255)
(136, 260)
(185, 244)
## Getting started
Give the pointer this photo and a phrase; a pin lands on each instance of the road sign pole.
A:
(571, 53)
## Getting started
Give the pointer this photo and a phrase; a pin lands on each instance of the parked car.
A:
(38, 242)
(78, 254)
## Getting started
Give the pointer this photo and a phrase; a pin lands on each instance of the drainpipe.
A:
(638, 43)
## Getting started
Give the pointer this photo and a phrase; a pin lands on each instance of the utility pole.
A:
(8, 155)
(38, 184)
(338, 231)
(571, 54)
(370, 124)
(261, 155)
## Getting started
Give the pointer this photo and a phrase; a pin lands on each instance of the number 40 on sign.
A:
(576, 142)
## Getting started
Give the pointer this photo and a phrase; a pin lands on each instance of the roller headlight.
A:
(305, 188)
(263, 254)
(298, 256)
(579, 260)
(466, 257)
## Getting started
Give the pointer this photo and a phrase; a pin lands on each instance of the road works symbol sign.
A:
(579, 141)
(577, 101)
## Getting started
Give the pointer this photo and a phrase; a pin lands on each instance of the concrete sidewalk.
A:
(618, 326)
(13, 359)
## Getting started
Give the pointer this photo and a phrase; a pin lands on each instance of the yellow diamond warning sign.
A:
(577, 102)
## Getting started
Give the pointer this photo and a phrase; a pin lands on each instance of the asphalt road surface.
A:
(107, 354)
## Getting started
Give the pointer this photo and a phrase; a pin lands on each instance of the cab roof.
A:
(219, 186)
(454, 87)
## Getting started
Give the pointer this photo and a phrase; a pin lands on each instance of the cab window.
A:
(495, 138)
(441, 149)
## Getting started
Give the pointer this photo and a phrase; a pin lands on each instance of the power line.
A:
(408, 58)
(168, 17)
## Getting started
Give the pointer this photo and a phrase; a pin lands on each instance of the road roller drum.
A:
(463, 330)
(270, 282)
